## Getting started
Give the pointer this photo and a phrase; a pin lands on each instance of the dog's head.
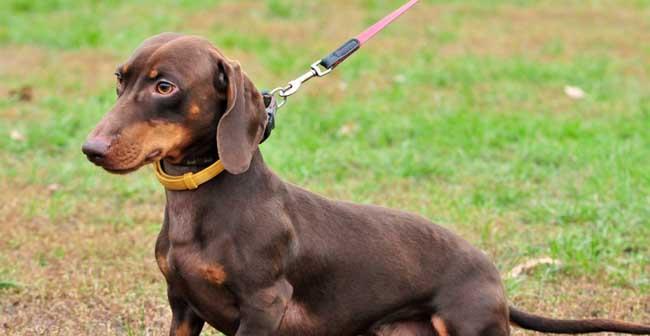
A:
(178, 96)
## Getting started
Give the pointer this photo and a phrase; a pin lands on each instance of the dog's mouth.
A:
(153, 156)
(136, 145)
(121, 171)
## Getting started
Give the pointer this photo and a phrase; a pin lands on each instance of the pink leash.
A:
(325, 65)
(381, 24)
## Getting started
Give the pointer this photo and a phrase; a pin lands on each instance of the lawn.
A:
(459, 112)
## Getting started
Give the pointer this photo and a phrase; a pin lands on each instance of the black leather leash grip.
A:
(339, 55)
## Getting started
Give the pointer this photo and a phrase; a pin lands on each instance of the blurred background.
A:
(523, 125)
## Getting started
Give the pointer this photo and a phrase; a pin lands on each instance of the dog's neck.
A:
(195, 158)
(257, 180)
(224, 198)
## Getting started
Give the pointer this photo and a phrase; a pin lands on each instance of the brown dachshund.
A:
(252, 255)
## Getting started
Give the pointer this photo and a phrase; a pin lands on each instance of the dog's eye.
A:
(165, 88)
(119, 77)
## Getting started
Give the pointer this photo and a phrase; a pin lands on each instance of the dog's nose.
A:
(95, 149)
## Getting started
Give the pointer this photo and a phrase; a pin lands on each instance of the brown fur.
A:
(253, 255)
(163, 265)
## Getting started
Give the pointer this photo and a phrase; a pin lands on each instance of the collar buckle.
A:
(271, 107)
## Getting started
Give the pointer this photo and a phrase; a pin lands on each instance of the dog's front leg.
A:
(262, 310)
(184, 321)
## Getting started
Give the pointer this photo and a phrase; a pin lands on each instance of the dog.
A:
(252, 255)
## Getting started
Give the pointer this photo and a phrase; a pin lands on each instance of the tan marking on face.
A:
(439, 325)
(139, 140)
(194, 111)
(214, 274)
(153, 73)
(183, 329)
(163, 265)
(125, 68)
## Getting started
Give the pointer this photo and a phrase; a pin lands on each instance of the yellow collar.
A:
(187, 181)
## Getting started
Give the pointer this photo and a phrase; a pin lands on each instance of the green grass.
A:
(456, 112)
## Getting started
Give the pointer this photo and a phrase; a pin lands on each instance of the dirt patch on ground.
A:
(582, 298)
(46, 72)
(70, 276)
(17, 60)
(553, 32)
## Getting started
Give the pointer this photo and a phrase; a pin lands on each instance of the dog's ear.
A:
(241, 127)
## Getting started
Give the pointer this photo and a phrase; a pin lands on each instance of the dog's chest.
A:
(188, 253)
(194, 269)
(197, 264)
(203, 285)
(200, 283)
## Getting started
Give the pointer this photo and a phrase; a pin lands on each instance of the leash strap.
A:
(348, 48)
(381, 24)
(325, 65)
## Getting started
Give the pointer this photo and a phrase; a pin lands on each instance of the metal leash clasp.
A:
(293, 86)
